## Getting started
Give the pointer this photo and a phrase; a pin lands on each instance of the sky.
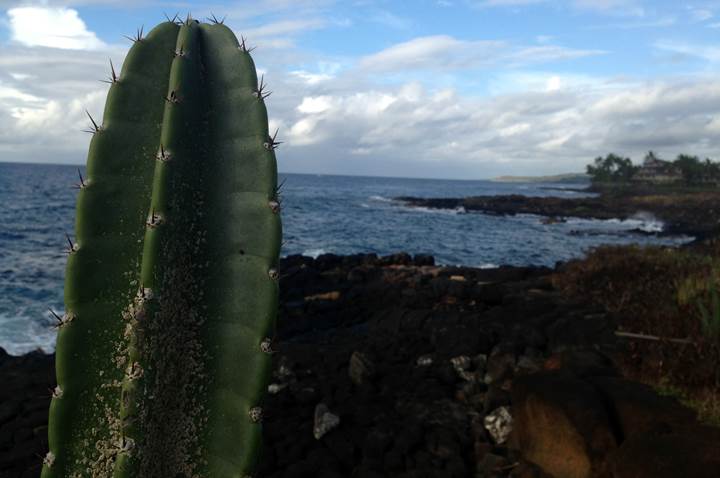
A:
(461, 89)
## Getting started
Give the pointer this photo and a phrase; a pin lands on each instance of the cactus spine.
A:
(171, 288)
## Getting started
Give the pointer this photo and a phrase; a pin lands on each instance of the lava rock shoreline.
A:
(694, 214)
(394, 367)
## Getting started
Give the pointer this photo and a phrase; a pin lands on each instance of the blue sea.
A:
(321, 214)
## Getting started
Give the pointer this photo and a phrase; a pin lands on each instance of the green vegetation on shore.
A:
(660, 292)
(685, 170)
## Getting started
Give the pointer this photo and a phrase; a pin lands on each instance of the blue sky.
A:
(429, 88)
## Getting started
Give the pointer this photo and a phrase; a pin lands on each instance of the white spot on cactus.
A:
(266, 346)
(255, 414)
(134, 371)
(273, 273)
(49, 459)
(57, 392)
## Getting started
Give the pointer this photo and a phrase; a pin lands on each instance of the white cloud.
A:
(444, 52)
(707, 52)
(284, 27)
(391, 20)
(51, 27)
(314, 104)
(700, 14)
(612, 7)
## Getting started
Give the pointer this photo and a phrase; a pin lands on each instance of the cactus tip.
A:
(213, 19)
(138, 35)
(73, 246)
(260, 91)
(243, 47)
(271, 144)
(95, 128)
(173, 20)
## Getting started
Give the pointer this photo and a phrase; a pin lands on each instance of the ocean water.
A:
(321, 214)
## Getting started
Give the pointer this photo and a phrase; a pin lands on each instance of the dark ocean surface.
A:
(321, 214)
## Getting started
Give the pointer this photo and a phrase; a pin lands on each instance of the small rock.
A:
(275, 388)
(462, 365)
(361, 369)
(424, 360)
(461, 362)
(324, 421)
(499, 424)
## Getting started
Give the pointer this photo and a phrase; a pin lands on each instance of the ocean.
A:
(321, 214)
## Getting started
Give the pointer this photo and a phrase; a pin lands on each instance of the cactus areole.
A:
(171, 288)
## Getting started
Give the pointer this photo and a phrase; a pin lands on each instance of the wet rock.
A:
(361, 369)
(499, 423)
(324, 421)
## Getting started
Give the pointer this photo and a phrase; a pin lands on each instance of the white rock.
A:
(275, 388)
(499, 424)
(424, 360)
(324, 421)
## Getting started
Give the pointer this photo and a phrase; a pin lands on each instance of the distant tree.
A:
(693, 170)
(611, 168)
(650, 156)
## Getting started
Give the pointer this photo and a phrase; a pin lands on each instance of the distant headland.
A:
(557, 178)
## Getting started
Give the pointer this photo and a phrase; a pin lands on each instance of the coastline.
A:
(420, 363)
(695, 214)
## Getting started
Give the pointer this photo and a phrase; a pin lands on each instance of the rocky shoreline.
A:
(693, 214)
(394, 367)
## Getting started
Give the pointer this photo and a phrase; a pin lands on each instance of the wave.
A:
(375, 197)
(452, 212)
(22, 333)
(314, 253)
(642, 221)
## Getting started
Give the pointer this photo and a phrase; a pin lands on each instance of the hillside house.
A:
(657, 171)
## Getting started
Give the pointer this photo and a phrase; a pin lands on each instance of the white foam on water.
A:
(430, 210)
(643, 221)
(375, 197)
(314, 253)
(20, 334)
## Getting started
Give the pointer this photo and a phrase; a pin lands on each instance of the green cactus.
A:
(171, 289)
